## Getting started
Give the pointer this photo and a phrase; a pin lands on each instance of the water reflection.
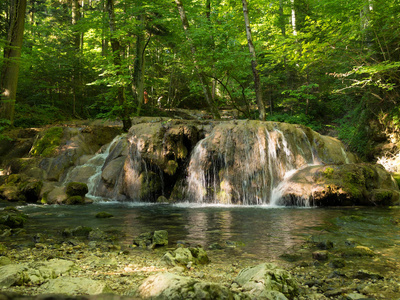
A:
(263, 233)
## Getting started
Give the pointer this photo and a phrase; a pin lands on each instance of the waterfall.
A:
(98, 162)
(250, 163)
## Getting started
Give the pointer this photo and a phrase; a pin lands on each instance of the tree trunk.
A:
(116, 48)
(257, 84)
(206, 89)
(76, 40)
(139, 63)
(12, 55)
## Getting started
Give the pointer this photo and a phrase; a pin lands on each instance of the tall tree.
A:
(139, 62)
(116, 49)
(12, 55)
(257, 83)
(200, 75)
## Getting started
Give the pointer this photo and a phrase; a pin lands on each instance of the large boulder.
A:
(347, 184)
(267, 281)
(74, 286)
(12, 274)
(171, 286)
(12, 217)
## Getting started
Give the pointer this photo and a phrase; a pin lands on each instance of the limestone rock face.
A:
(347, 184)
(225, 162)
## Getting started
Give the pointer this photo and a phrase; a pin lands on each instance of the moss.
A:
(77, 189)
(328, 172)
(150, 184)
(75, 200)
(171, 168)
(13, 179)
(396, 177)
(48, 143)
(103, 215)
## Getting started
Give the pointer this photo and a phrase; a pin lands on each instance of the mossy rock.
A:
(77, 231)
(77, 189)
(150, 184)
(396, 177)
(385, 197)
(171, 167)
(74, 200)
(104, 215)
(31, 190)
(46, 145)
(12, 218)
(358, 251)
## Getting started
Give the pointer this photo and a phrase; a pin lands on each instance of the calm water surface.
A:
(262, 232)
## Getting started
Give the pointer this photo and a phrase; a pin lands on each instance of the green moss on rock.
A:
(47, 144)
(104, 215)
(73, 200)
(77, 189)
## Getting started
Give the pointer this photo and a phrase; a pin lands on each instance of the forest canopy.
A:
(332, 65)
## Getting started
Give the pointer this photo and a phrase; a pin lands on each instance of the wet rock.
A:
(184, 256)
(320, 255)
(160, 238)
(97, 235)
(358, 251)
(11, 193)
(4, 260)
(337, 263)
(31, 190)
(162, 199)
(104, 215)
(74, 286)
(77, 231)
(347, 184)
(75, 200)
(12, 274)
(52, 193)
(364, 274)
(261, 280)
(76, 189)
(171, 286)
(111, 172)
(355, 296)
(151, 240)
(12, 217)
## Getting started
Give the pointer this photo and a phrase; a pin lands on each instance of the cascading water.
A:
(237, 162)
(249, 164)
(98, 162)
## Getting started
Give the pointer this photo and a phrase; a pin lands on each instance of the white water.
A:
(249, 167)
(250, 164)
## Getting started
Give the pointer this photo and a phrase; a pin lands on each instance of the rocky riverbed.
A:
(355, 256)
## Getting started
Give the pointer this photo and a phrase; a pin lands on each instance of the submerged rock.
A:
(12, 217)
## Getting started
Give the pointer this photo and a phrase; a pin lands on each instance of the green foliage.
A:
(296, 119)
(48, 143)
(4, 125)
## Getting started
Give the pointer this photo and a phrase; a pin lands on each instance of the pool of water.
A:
(261, 232)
